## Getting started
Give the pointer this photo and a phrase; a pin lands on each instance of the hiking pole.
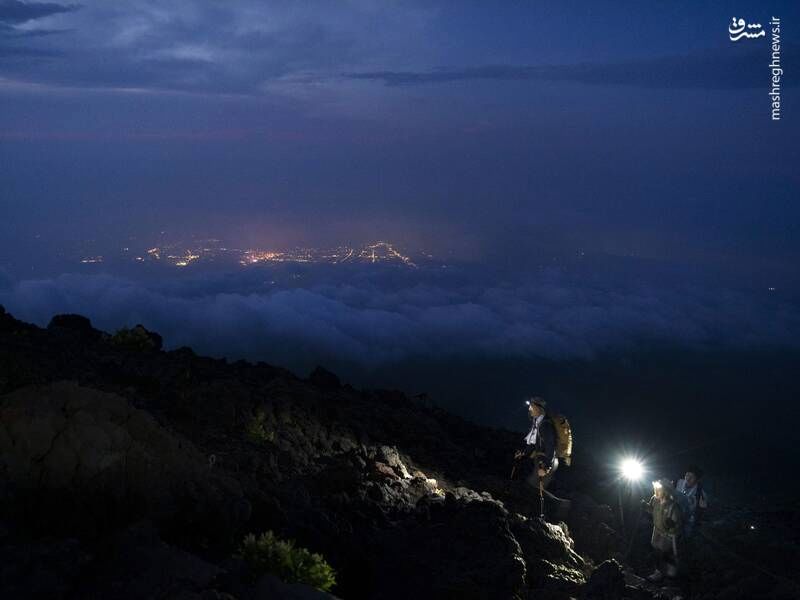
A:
(511, 477)
(541, 497)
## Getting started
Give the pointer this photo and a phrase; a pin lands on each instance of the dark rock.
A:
(155, 338)
(638, 593)
(591, 524)
(92, 459)
(139, 565)
(215, 595)
(438, 559)
(607, 582)
(46, 568)
(74, 323)
(552, 563)
(270, 587)
(324, 379)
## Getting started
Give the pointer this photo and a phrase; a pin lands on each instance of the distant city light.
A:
(181, 254)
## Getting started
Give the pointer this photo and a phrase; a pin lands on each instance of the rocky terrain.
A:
(130, 472)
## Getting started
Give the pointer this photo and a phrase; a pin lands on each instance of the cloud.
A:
(15, 16)
(213, 47)
(15, 11)
(319, 53)
(728, 68)
(375, 319)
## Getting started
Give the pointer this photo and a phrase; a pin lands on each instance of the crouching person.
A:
(667, 529)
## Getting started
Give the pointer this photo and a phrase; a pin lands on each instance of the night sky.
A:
(596, 177)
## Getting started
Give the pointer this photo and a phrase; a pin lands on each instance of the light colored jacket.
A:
(667, 523)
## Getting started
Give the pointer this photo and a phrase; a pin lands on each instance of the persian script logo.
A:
(738, 30)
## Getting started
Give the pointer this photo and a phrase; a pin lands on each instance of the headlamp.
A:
(631, 469)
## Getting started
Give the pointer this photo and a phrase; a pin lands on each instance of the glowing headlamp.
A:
(631, 469)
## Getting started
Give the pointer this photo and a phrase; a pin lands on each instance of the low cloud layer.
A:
(377, 319)
(712, 69)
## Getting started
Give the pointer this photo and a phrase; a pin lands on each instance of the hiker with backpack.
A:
(540, 443)
(549, 439)
(694, 497)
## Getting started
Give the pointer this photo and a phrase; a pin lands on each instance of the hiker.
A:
(548, 443)
(667, 529)
(692, 498)
(695, 500)
(540, 443)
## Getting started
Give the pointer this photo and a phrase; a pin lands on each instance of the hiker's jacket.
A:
(541, 440)
(667, 524)
(667, 516)
(695, 501)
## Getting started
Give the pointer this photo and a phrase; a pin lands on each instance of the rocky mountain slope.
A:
(131, 472)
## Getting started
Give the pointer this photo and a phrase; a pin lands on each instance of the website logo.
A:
(738, 30)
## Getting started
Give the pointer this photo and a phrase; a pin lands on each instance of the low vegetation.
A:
(290, 563)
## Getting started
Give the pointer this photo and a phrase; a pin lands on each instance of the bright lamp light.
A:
(632, 469)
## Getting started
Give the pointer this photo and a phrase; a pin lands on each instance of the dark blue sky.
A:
(625, 128)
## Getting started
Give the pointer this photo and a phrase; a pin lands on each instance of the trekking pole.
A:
(541, 498)
(511, 477)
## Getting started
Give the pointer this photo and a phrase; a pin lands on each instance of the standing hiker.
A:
(693, 500)
(667, 530)
(694, 496)
(540, 443)
(549, 439)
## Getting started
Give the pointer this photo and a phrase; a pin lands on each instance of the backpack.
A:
(563, 438)
(682, 503)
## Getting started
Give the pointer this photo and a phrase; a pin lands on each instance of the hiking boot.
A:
(655, 576)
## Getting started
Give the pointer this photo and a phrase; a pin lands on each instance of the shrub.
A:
(257, 429)
(137, 338)
(291, 564)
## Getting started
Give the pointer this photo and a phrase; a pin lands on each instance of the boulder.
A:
(138, 564)
(74, 324)
(270, 587)
(46, 568)
(607, 582)
(591, 527)
(547, 550)
(324, 379)
(89, 459)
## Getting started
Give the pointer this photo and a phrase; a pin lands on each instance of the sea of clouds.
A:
(374, 316)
